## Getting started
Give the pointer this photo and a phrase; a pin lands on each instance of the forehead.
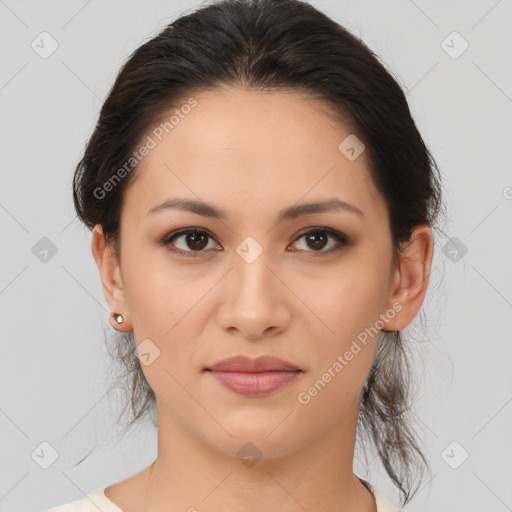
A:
(251, 149)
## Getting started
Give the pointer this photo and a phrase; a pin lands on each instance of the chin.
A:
(253, 443)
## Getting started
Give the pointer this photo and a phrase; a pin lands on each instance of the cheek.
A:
(169, 308)
(351, 308)
(325, 397)
(161, 294)
(350, 305)
(354, 299)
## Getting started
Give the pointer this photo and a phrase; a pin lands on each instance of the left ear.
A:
(410, 280)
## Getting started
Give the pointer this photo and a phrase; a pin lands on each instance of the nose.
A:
(255, 300)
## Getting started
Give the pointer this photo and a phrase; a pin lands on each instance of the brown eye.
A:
(188, 241)
(317, 239)
(196, 240)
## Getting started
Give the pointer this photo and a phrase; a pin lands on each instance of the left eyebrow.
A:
(289, 213)
(333, 204)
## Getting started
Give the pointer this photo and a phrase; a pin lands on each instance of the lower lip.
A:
(254, 383)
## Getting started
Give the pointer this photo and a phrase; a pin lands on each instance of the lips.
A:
(254, 377)
(259, 364)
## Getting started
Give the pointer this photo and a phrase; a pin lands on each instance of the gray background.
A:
(55, 367)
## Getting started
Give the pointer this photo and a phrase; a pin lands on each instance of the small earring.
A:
(119, 318)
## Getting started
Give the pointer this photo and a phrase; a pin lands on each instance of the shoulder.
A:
(382, 502)
(95, 500)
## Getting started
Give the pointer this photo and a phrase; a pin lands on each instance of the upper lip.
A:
(262, 363)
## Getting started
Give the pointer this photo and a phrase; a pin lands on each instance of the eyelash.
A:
(342, 240)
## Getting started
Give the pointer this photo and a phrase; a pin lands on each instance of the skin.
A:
(252, 154)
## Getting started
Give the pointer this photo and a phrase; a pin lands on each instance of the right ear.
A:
(111, 278)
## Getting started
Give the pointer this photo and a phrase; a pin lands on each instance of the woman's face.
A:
(256, 284)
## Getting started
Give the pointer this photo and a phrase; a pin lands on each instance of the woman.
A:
(261, 205)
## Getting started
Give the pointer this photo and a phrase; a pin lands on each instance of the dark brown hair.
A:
(275, 45)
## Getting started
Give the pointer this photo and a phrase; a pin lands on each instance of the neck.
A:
(191, 474)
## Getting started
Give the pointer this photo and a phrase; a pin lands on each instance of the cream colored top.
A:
(96, 501)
